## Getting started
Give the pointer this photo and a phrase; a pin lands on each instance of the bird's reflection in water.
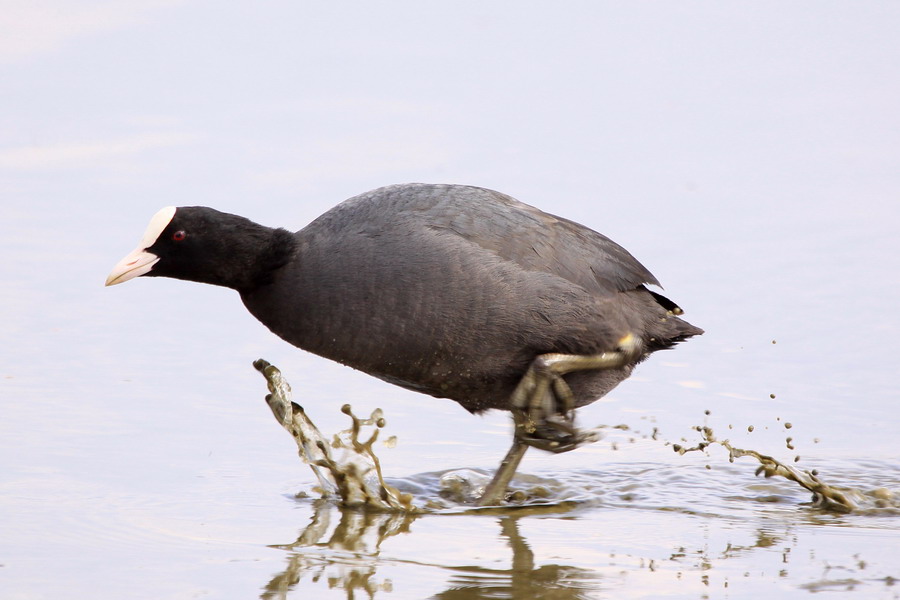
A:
(348, 559)
(523, 580)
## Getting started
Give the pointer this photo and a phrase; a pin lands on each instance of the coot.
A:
(454, 291)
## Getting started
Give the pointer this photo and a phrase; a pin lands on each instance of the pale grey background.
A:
(747, 153)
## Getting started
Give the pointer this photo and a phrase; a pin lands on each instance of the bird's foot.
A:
(553, 433)
(544, 410)
(543, 405)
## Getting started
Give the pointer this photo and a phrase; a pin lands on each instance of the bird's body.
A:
(452, 291)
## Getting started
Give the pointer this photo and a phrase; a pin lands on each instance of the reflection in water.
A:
(523, 579)
(347, 558)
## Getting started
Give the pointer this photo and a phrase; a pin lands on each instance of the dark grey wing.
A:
(514, 231)
(539, 241)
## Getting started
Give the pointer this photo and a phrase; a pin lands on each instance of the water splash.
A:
(825, 496)
(354, 477)
(348, 477)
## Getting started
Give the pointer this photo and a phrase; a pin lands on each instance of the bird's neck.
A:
(260, 258)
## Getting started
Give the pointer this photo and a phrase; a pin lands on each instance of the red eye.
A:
(179, 235)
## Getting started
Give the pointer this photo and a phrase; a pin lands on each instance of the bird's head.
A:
(202, 244)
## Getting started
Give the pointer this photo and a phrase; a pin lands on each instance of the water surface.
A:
(749, 157)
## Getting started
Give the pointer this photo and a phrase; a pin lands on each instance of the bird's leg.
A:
(543, 405)
(543, 409)
(495, 491)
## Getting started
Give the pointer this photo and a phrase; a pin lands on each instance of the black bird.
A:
(454, 291)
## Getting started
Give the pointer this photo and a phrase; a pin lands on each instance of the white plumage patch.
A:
(139, 261)
(159, 222)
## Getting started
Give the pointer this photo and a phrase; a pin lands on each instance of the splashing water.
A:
(825, 496)
(355, 477)
(348, 477)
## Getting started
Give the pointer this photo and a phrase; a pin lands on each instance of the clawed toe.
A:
(550, 432)
(544, 411)
(551, 437)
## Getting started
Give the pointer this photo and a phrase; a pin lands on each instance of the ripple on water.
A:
(728, 491)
